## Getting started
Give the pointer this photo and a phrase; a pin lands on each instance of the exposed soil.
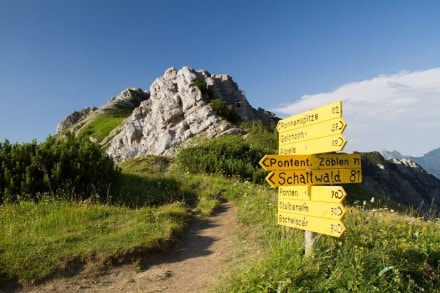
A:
(198, 260)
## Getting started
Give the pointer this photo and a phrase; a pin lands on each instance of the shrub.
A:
(261, 136)
(227, 155)
(75, 165)
(221, 109)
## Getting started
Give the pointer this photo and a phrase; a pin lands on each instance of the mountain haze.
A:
(401, 181)
(430, 161)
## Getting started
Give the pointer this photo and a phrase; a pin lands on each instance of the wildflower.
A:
(432, 274)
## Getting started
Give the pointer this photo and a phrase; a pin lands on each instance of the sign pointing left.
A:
(304, 162)
(314, 177)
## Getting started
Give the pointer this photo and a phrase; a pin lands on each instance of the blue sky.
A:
(288, 56)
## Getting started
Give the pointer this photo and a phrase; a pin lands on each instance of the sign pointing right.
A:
(334, 194)
(318, 130)
(311, 117)
(333, 143)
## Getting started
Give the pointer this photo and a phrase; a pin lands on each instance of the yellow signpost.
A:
(334, 194)
(318, 130)
(309, 223)
(303, 172)
(306, 162)
(325, 210)
(333, 143)
(311, 117)
(314, 177)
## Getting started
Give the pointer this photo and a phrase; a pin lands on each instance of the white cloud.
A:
(393, 112)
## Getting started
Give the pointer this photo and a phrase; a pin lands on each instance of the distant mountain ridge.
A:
(430, 161)
(402, 181)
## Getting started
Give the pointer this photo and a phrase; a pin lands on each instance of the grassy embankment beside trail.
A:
(144, 210)
(381, 251)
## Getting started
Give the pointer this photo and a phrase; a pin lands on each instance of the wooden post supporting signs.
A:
(307, 176)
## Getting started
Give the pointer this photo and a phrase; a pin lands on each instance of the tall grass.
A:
(143, 210)
(380, 252)
(39, 240)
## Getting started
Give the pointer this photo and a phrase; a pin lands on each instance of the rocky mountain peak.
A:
(180, 108)
(429, 162)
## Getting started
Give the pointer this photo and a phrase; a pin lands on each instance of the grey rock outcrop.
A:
(430, 161)
(130, 98)
(73, 118)
(402, 181)
(179, 109)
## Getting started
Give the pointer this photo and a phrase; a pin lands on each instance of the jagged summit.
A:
(430, 161)
(179, 107)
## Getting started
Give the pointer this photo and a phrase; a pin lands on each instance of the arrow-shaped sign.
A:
(310, 162)
(330, 227)
(318, 130)
(326, 144)
(323, 210)
(318, 115)
(334, 194)
(314, 177)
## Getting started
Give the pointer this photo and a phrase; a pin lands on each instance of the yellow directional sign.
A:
(326, 128)
(309, 223)
(310, 162)
(314, 177)
(325, 210)
(326, 144)
(311, 117)
(328, 193)
(333, 194)
(294, 192)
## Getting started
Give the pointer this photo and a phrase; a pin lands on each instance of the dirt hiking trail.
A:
(194, 263)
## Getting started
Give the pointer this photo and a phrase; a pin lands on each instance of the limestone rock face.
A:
(403, 181)
(77, 120)
(73, 118)
(429, 161)
(179, 109)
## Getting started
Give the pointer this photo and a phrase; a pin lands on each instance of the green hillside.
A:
(147, 206)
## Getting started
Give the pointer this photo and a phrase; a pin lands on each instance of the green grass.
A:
(104, 123)
(39, 240)
(52, 237)
(380, 252)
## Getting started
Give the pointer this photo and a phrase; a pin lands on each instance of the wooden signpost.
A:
(308, 173)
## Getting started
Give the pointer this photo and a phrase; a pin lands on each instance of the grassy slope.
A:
(143, 211)
(103, 123)
(39, 240)
(380, 252)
